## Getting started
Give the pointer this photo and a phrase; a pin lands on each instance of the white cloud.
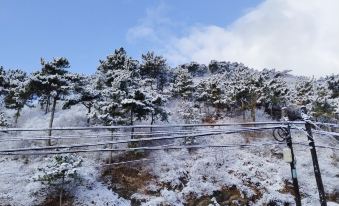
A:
(156, 27)
(302, 35)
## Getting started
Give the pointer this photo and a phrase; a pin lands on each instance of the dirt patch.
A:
(334, 197)
(227, 196)
(127, 179)
(289, 189)
(209, 119)
(67, 200)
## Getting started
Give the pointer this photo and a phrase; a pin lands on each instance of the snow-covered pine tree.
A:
(217, 97)
(111, 68)
(137, 105)
(201, 95)
(108, 109)
(155, 99)
(60, 174)
(53, 81)
(333, 85)
(196, 69)
(247, 87)
(323, 110)
(154, 67)
(84, 92)
(189, 112)
(158, 110)
(183, 84)
(18, 92)
(2, 81)
(117, 78)
(274, 92)
(323, 106)
(3, 119)
(219, 67)
(304, 92)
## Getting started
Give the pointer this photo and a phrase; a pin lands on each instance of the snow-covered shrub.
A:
(3, 120)
(60, 174)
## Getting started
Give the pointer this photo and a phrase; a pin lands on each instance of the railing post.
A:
(111, 147)
(308, 127)
(293, 167)
(293, 161)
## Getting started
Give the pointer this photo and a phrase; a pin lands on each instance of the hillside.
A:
(125, 92)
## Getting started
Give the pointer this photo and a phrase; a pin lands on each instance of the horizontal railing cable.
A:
(141, 148)
(140, 139)
(145, 126)
(163, 148)
(99, 135)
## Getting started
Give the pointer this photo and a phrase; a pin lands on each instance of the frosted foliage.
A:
(61, 169)
(183, 84)
(124, 91)
(3, 120)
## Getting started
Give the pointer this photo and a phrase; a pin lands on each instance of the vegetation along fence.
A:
(112, 139)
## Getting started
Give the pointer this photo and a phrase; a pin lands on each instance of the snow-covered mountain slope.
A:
(209, 176)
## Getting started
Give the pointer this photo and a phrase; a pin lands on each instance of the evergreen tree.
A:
(333, 85)
(84, 92)
(304, 92)
(113, 66)
(246, 89)
(117, 78)
(217, 97)
(154, 67)
(222, 67)
(54, 82)
(157, 109)
(108, 109)
(323, 104)
(201, 95)
(183, 84)
(323, 110)
(61, 174)
(196, 70)
(18, 91)
(137, 105)
(2, 81)
(274, 92)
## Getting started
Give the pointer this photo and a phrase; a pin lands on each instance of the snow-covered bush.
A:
(60, 174)
(3, 120)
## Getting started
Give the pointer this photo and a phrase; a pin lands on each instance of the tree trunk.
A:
(152, 122)
(60, 198)
(131, 123)
(51, 120)
(47, 104)
(111, 147)
(88, 112)
(271, 110)
(243, 110)
(253, 113)
(253, 107)
(17, 115)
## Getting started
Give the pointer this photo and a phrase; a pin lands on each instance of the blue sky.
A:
(298, 35)
(85, 31)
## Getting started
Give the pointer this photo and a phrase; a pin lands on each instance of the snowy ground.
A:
(181, 175)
